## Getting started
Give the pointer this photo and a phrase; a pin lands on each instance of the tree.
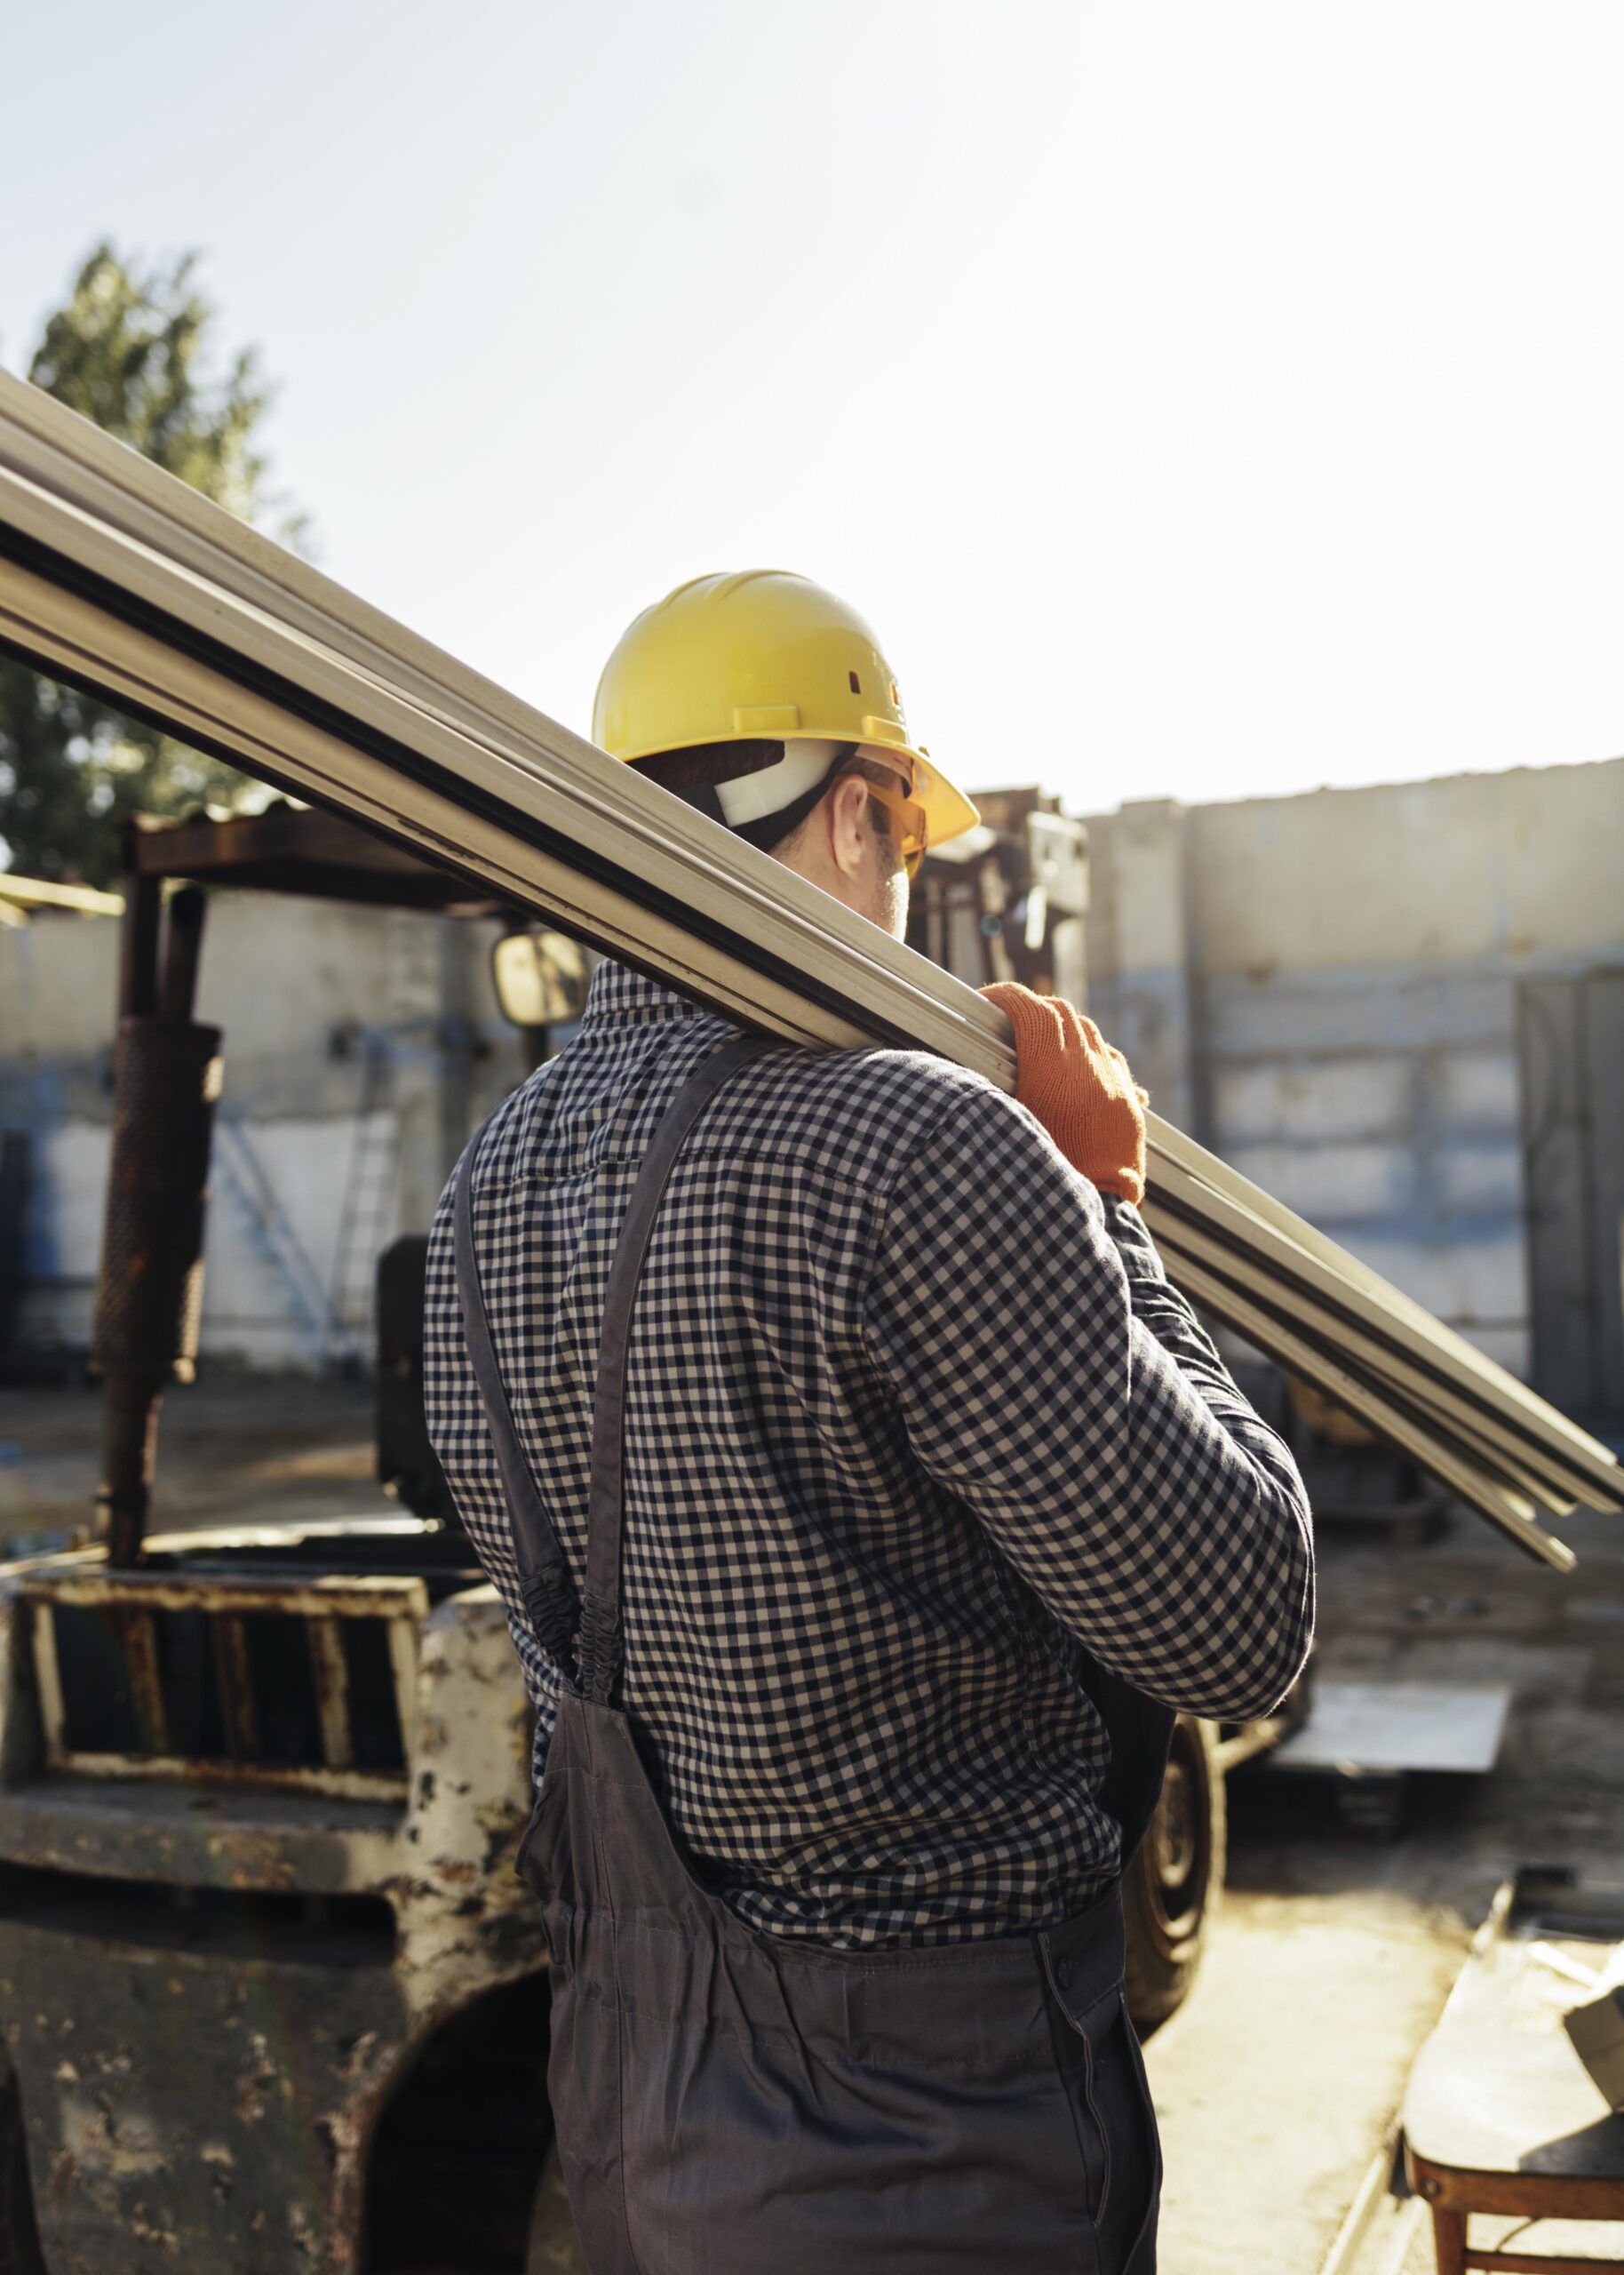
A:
(131, 351)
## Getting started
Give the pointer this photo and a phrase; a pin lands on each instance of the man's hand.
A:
(1069, 1077)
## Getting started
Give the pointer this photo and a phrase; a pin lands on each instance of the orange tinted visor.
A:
(912, 830)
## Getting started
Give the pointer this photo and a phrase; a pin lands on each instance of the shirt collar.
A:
(630, 998)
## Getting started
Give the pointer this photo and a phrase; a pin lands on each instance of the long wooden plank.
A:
(1514, 1516)
(1543, 1473)
(1241, 1228)
(499, 751)
(1172, 1149)
(80, 642)
(134, 495)
(120, 579)
(1183, 1249)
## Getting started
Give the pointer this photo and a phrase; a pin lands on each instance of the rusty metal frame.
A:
(132, 1598)
(1249, 1741)
(302, 850)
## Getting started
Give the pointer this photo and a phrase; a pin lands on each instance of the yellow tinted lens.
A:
(909, 818)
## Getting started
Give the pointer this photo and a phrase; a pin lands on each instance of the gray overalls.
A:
(732, 2102)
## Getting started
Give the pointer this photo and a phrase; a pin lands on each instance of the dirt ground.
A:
(1337, 1946)
(1338, 1941)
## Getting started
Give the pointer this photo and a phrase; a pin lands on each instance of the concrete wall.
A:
(1324, 988)
(359, 1045)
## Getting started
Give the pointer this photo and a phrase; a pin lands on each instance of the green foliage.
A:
(131, 351)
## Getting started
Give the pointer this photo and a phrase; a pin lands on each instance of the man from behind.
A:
(864, 1503)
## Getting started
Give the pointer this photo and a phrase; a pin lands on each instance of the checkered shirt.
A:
(908, 1410)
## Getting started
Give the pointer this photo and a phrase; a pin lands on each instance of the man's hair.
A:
(703, 765)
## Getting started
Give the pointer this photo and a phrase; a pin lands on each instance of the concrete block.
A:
(1415, 874)
(1596, 2030)
(1147, 852)
(1333, 1184)
(1484, 1180)
(1474, 1277)
(69, 1202)
(64, 1233)
(1477, 1090)
(1309, 1014)
(59, 978)
(1305, 1100)
(1150, 1026)
(1151, 952)
(314, 978)
(1510, 1347)
(1562, 832)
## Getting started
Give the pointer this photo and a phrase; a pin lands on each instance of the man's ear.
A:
(849, 824)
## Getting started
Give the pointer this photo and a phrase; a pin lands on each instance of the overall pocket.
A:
(1080, 2033)
(536, 1862)
(1097, 2050)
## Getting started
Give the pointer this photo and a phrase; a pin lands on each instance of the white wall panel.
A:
(1332, 1184)
(1300, 1099)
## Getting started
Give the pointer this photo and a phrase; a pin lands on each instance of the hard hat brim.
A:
(948, 812)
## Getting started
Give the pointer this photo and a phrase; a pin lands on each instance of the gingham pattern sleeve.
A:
(1160, 1306)
(1049, 1379)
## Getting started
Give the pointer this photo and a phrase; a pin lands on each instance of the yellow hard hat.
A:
(763, 655)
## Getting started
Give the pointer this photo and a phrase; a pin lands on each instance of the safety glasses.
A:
(912, 834)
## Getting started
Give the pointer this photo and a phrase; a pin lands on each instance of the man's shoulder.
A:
(860, 1117)
(868, 1115)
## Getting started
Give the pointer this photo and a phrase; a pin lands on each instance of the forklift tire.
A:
(1170, 1891)
(20, 2251)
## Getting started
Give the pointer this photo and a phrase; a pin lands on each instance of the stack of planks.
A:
(118, 579)
(1323, 1315)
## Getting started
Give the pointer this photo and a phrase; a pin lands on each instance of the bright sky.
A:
(1199, 400)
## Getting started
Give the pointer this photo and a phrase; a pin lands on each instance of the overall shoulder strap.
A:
(601, 1624)
(544, 1575)
(544, 1581)
(1141, 1735)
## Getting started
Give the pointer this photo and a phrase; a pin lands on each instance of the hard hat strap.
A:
(768, 830)
(772, 828)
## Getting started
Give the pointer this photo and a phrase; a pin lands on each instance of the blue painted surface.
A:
(32, 1098)
(1437, 1148)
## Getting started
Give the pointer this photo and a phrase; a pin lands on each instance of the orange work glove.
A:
(1077, 1087)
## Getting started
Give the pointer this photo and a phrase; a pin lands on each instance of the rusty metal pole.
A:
(182, 945)
(137, 945)
(129, 1402)
(150, 1288)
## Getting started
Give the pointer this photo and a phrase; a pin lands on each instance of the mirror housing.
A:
(540, 978)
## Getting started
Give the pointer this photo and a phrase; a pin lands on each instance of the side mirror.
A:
(540, 978)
